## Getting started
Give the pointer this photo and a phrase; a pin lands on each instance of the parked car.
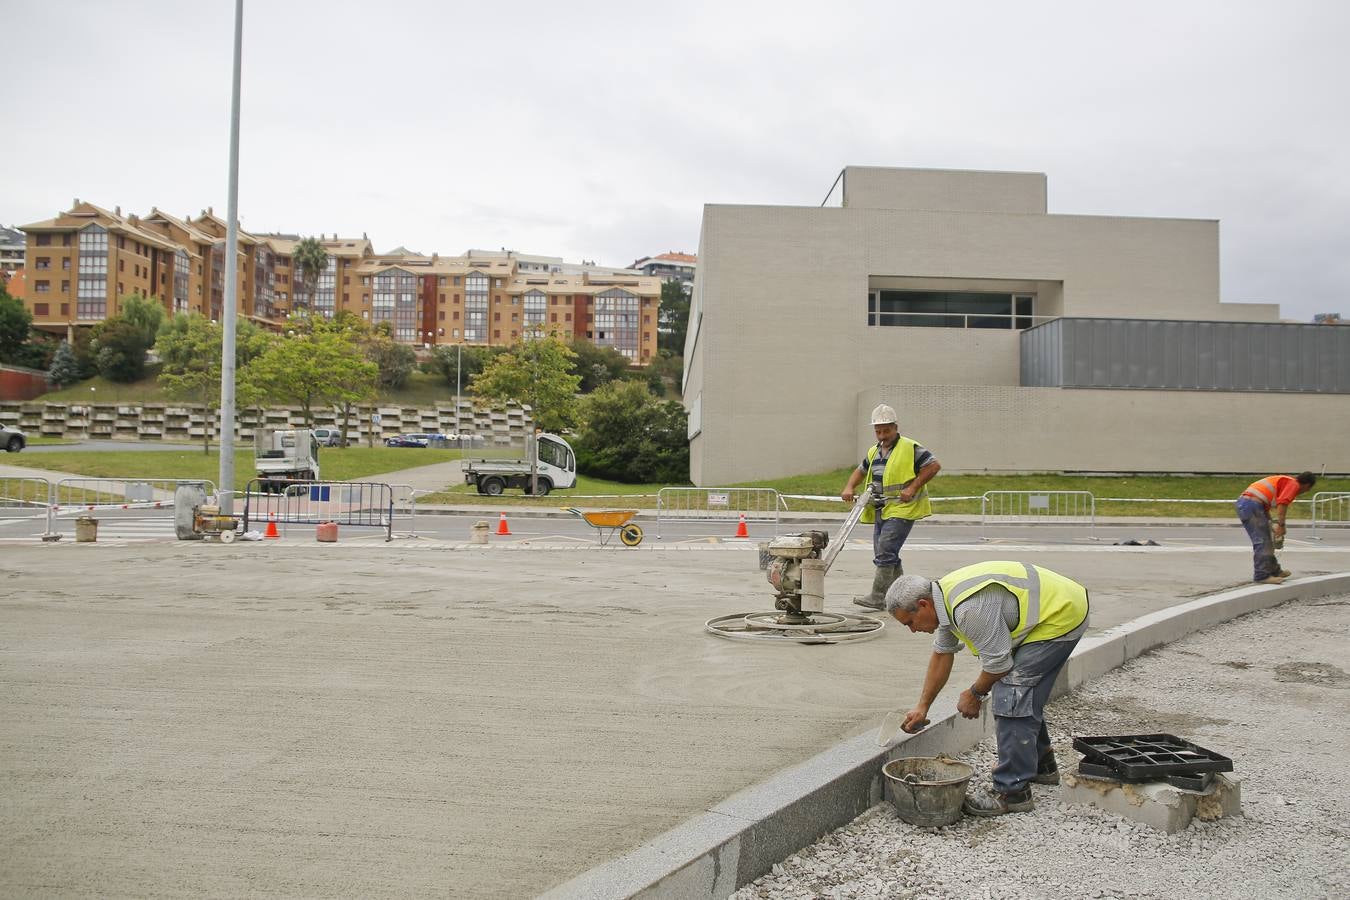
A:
(12, 439)
(408, 440)
(328, 437)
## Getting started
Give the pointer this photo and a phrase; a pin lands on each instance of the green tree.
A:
(535, 372)
(189, 347)
(395, 361)
(308, 260)
(319, 368)
(65, 368)
(15, 322)
(83, 347)
(628, 436)
(145, 314)
(119, 350)
(596, 365)
(120, 342)
(669, 366)
(444, 361)
(673, 321)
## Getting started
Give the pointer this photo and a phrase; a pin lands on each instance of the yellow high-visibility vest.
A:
(1049, 605)
(899, 472)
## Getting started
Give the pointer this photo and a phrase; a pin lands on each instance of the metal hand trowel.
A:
(890, 726)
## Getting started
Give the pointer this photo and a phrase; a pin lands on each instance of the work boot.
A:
(881, 582)
(1284, 573)
(1047, 772)
(1269, 579)
(993, 803)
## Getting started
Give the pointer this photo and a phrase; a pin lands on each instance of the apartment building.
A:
(11, 249)
(487, 298)
(670, 266)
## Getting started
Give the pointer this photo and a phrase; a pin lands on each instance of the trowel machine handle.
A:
(850, 522)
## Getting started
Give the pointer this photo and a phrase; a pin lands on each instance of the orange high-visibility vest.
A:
(1266, 490)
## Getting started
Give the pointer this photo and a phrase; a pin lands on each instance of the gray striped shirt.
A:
(987, 618)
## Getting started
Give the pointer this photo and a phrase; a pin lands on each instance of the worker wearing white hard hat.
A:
(898, 468)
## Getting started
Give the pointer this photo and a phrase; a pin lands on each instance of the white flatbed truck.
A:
(281, 455)
(555, 467)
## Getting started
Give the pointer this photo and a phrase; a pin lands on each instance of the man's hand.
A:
(1277, 527)
(915, 720)
(907, 494)
(847, 495)
(968, 705)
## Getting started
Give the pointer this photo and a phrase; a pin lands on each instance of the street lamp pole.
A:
(225, 481)
(459, 378)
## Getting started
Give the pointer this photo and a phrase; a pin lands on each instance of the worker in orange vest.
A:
(1260, 502)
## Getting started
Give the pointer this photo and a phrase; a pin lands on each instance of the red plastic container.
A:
(326, 532)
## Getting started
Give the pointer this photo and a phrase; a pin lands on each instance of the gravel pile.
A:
(1268, 690)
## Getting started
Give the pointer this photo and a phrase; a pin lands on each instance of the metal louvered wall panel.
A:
(1159, 354)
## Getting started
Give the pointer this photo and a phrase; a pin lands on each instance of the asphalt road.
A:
(561, 531)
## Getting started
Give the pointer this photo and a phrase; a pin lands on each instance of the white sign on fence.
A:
(719, 500)
(1038, 501)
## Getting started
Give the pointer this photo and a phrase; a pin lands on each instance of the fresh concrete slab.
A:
(381, 720)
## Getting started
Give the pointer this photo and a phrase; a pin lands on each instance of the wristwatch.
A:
(976, 694)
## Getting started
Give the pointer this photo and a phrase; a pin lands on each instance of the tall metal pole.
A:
(459, 369)
(225, 482)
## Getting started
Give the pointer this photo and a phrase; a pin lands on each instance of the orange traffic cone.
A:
(271, 531)
(501, 526)
(741, 530)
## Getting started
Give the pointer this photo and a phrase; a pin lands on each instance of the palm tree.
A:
(308, 260)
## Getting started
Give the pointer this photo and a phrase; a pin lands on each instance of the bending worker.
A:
(898, 469)
(1261, 499)
(1022, 621)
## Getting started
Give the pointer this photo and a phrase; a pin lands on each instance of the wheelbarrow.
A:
(608, 521)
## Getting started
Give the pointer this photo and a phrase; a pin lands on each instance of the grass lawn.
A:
(1143, 495)
(632, 495)
(335, 464)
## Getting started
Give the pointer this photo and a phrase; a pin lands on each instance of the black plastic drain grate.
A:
(1137, 758)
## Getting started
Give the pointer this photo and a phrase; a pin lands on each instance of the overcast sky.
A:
(598, 130)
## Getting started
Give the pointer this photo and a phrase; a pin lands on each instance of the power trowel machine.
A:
(796, 567)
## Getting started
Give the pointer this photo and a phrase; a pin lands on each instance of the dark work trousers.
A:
(888, 536)
(1019, 711)
(1256, 519)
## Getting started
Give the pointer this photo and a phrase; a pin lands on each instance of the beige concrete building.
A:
(949, 294)
(87, 258)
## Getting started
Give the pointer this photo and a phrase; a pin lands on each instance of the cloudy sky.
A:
(598, 129)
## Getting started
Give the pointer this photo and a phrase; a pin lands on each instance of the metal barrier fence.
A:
(354, 504)
(1038, 508)
(405, 506)
(712, 504)
(1330, 509)
(147, 502)
(24, 500)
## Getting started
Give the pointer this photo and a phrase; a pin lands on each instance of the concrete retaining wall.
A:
(741, 838)
(178, 422)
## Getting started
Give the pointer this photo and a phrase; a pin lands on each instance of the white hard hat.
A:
(884, 415)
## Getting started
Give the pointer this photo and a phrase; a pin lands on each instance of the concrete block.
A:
(1156, 804)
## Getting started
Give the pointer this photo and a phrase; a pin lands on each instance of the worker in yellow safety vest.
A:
(898, 469)
(1022, 622)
